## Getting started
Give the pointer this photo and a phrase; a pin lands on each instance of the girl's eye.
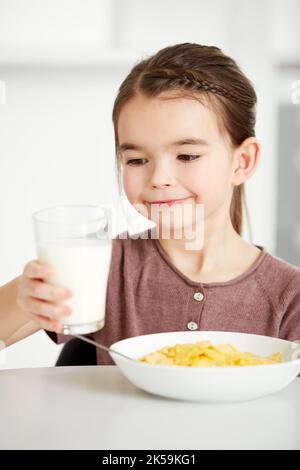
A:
(185, 158)
(189, 158)
(135, 161)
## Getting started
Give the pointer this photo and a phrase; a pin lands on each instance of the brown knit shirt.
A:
(147, 294)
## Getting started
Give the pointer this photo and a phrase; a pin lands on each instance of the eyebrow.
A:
(187, 141)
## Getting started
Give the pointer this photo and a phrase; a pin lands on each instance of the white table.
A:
(96, 407)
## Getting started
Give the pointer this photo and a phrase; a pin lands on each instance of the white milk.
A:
(83, 267)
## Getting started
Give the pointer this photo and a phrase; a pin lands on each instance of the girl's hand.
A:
(40, 301)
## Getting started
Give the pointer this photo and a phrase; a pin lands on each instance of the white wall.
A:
(62, 65)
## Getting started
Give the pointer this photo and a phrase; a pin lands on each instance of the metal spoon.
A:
(101, 346)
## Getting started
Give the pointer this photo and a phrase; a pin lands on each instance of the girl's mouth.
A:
(169, 202)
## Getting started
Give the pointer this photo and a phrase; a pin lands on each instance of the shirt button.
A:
(192, 325)
(199, 296)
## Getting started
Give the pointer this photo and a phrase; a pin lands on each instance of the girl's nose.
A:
(162, 176)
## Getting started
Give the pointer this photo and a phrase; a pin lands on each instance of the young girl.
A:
(184, 122)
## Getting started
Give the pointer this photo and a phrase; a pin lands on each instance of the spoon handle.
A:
(101, 346)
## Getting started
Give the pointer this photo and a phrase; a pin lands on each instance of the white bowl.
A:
(209, 384)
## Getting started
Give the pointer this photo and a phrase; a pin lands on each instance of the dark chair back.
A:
(77, 353)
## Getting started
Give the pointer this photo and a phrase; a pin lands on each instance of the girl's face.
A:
(173, 149)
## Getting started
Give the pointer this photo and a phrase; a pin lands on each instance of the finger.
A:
(46, 324)
(41, 290)
(48, 309)
(36, 270)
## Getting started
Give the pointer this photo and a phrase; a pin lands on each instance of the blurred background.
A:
(61, 63)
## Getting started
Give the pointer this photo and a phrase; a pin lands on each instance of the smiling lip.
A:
(170, 202)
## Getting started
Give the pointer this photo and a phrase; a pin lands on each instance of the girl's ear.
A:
(246, 158)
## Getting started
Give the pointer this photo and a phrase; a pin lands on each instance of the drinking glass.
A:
(76, 241)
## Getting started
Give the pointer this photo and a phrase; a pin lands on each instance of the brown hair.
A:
(206, 72)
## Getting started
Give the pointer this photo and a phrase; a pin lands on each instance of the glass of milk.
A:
(76, 241)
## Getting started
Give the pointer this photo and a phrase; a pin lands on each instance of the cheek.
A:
(129, 186)
(211, 185)
(133, 187)
(133, 191)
